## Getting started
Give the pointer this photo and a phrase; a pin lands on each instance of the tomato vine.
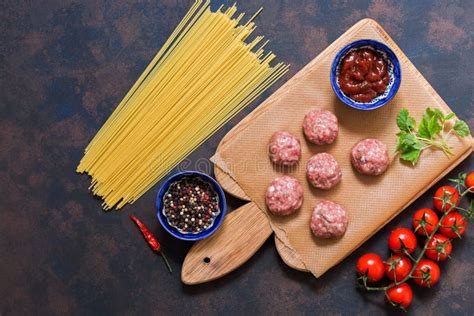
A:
(423, 277)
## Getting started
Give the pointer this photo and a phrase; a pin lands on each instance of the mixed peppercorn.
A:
(191, 205)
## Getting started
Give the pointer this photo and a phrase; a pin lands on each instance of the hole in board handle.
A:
(206, 260)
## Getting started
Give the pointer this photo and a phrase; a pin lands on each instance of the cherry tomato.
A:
(470, 181)
(444, 192)
(371, 265)
(426, 216)
(442, 242)
(400, 295)
(402, 238)
(453, 225)
(397, 267)
(427, 273)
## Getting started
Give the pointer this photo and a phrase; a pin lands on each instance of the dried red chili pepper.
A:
(150, 239)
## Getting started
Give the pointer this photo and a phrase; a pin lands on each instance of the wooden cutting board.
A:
(242, 227)
(230, 186)
(243, 232)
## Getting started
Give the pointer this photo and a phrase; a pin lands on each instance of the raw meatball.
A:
(284, 149)
(370, 157)
(284, 196)
(323, 171)
(320, 127)
(329, 220)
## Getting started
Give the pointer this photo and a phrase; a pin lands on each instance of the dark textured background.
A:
(64, 67)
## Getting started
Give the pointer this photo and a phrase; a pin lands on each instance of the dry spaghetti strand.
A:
(206, 72)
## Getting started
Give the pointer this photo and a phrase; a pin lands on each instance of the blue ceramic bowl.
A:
(189, 236)
(393, 68)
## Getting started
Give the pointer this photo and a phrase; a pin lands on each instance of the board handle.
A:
(242, 233)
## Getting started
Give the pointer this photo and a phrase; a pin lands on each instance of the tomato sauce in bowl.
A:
(363, 74)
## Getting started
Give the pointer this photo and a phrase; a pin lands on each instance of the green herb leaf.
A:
(435, 113)
(423, 129)
(405, 122)
(461, 128)
(409, 147)
(430, 124)
(434, 126)
(449, 116)
(409, 141)
(430, 133)
(411, 155)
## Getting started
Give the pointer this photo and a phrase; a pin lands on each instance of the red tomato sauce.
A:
(363, 75)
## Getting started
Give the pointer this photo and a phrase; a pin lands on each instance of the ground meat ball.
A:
(284, 149)
(284, 196)
(370, 157)
(329, 220)
(320, 127)
(323, 171)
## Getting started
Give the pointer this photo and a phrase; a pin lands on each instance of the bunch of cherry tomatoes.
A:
(439, 231)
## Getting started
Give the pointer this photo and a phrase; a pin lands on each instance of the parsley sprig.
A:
(433, 131)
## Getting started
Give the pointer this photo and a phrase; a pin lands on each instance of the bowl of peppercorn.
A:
(191, 205)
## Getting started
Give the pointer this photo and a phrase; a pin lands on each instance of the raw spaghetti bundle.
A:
(205, 73)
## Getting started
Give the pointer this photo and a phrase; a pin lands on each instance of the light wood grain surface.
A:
(242, 233)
